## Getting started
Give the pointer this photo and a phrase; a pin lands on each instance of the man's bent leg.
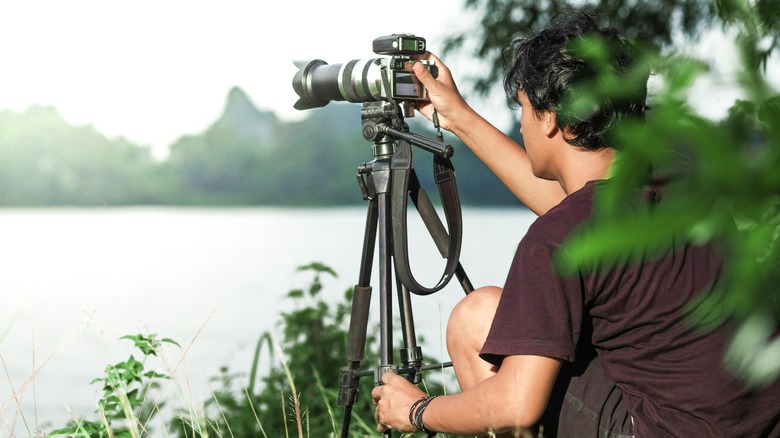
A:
(467, 330)
(584, 402)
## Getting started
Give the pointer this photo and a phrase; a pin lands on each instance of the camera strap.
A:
(404, 184)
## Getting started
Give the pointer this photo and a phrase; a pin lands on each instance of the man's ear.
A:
(549, 123)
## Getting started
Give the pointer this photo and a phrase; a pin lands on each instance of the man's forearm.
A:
(509, 162)
(514, 398)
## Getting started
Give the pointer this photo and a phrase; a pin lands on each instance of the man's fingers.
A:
(376, 395)
(389, 377)
(423, 74)
(380, 427)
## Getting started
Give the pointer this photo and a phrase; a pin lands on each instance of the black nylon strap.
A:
(403, 180)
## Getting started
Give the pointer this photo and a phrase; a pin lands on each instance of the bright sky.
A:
(153, 70)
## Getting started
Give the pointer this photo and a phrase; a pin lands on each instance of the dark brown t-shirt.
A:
(672, 376)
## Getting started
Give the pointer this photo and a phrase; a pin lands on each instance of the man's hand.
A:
(393, 400)
(442, 92)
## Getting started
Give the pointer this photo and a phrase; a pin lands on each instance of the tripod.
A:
(387, 182)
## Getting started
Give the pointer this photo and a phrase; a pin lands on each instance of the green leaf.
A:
(147, 345)
(170, 341)
(156, 375)
(752, 353)
(319, 268)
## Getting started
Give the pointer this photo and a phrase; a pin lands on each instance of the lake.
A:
(73, 281)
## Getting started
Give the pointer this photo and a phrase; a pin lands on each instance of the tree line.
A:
(246, 157)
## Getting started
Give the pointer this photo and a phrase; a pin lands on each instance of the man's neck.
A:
(579, 167)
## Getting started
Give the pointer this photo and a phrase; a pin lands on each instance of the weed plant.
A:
(126, 406)
(297, 396)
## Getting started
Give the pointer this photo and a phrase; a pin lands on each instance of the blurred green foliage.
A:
(663, 23)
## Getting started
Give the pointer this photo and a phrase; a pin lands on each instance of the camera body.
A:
(402, 83)
(387, 78)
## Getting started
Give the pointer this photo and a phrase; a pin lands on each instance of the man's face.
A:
(535, 138)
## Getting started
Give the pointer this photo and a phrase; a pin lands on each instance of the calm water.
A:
(73, 281)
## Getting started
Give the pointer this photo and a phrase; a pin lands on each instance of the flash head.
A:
(399, 44)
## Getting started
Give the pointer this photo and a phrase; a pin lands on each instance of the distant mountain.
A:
(246, 122)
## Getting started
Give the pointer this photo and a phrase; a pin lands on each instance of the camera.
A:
(365, 80)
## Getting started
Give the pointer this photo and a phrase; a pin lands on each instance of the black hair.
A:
(553, 70)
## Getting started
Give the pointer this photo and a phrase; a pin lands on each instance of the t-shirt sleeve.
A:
(539, 312)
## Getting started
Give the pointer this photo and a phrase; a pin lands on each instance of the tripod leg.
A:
(377, 222)
(385, 282)
(358, 324)
(386, 286)
(411, 353)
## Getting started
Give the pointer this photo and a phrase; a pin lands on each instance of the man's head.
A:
(551, 70)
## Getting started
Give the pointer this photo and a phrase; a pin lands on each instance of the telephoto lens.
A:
(317, 82)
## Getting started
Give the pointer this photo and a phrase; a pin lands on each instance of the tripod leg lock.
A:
(412, 358)
(348, 386)
(381, 370)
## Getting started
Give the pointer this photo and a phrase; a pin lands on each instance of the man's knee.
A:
(479, 304)
(473, 315)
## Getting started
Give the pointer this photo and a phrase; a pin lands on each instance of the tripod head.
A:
(383, 123)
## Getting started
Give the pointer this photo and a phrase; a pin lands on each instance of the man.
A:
(511, 349)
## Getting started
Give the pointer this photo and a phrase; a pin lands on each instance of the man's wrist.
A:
(416, 414)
